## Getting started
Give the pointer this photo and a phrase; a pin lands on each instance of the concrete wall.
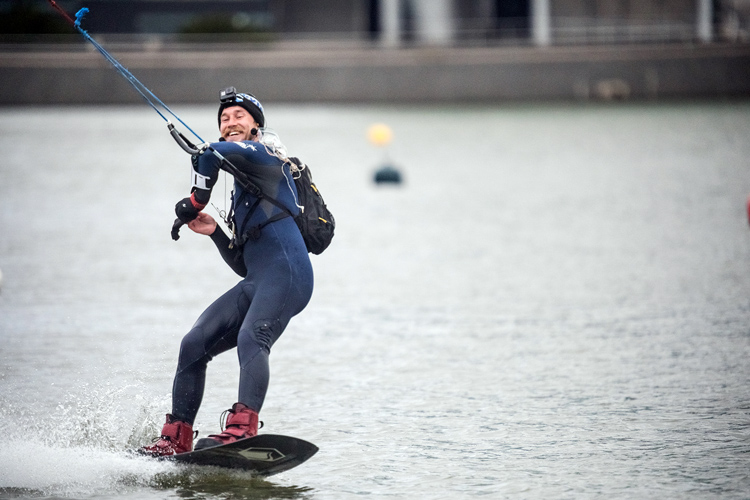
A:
(384, 76)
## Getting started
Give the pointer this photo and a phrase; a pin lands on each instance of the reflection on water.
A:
(554, 304)
(187, 483)
(200, 484)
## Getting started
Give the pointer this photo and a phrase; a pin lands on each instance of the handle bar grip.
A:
(176, 229)
(181, 141)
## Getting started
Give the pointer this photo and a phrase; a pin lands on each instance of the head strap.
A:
(230, 97)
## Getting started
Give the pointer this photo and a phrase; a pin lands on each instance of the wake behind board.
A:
(265, 454)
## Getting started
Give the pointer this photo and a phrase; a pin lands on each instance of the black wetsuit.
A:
(277, 280)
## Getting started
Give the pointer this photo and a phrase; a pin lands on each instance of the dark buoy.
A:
(387, 173)
(380, 135)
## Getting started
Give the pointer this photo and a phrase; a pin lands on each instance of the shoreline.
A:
(369, 75)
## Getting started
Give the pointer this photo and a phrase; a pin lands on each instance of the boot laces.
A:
(168, 439)
(223, 421)
(161, 438)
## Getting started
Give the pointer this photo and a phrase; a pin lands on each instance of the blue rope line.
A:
(137, 85)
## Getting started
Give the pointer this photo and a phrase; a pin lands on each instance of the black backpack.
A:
(315, 221)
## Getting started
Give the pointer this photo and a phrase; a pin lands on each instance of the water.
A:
(555, 304)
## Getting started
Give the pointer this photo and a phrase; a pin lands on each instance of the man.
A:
(267, 251)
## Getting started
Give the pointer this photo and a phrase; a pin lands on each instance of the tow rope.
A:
(150, 98)
(153, 101)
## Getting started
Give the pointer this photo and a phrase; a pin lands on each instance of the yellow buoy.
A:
(379, 134)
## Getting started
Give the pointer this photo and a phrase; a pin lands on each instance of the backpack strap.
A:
(253, 233)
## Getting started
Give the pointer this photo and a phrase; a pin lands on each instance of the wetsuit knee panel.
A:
(266, 332)
(192, 344)
(196, 347)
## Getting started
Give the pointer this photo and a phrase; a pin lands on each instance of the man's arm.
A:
(205, 224)
(205, 174)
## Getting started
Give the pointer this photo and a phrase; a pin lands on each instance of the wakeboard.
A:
(265, 454)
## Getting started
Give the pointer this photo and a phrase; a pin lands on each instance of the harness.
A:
(314, 221)
(244, 233)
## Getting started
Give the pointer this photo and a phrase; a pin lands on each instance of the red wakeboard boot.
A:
(176, 437)
(242, 422)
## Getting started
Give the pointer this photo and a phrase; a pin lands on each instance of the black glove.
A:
(185, 210)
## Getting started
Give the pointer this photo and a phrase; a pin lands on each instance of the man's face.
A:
(236, 123)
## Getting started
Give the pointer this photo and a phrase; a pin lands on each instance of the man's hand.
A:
(203, 224)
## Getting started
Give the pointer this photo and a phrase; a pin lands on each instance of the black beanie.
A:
(246, 101)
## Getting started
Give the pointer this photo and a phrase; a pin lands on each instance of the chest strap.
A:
(253, 233)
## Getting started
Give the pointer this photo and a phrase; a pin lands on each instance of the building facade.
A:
(397, 23)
